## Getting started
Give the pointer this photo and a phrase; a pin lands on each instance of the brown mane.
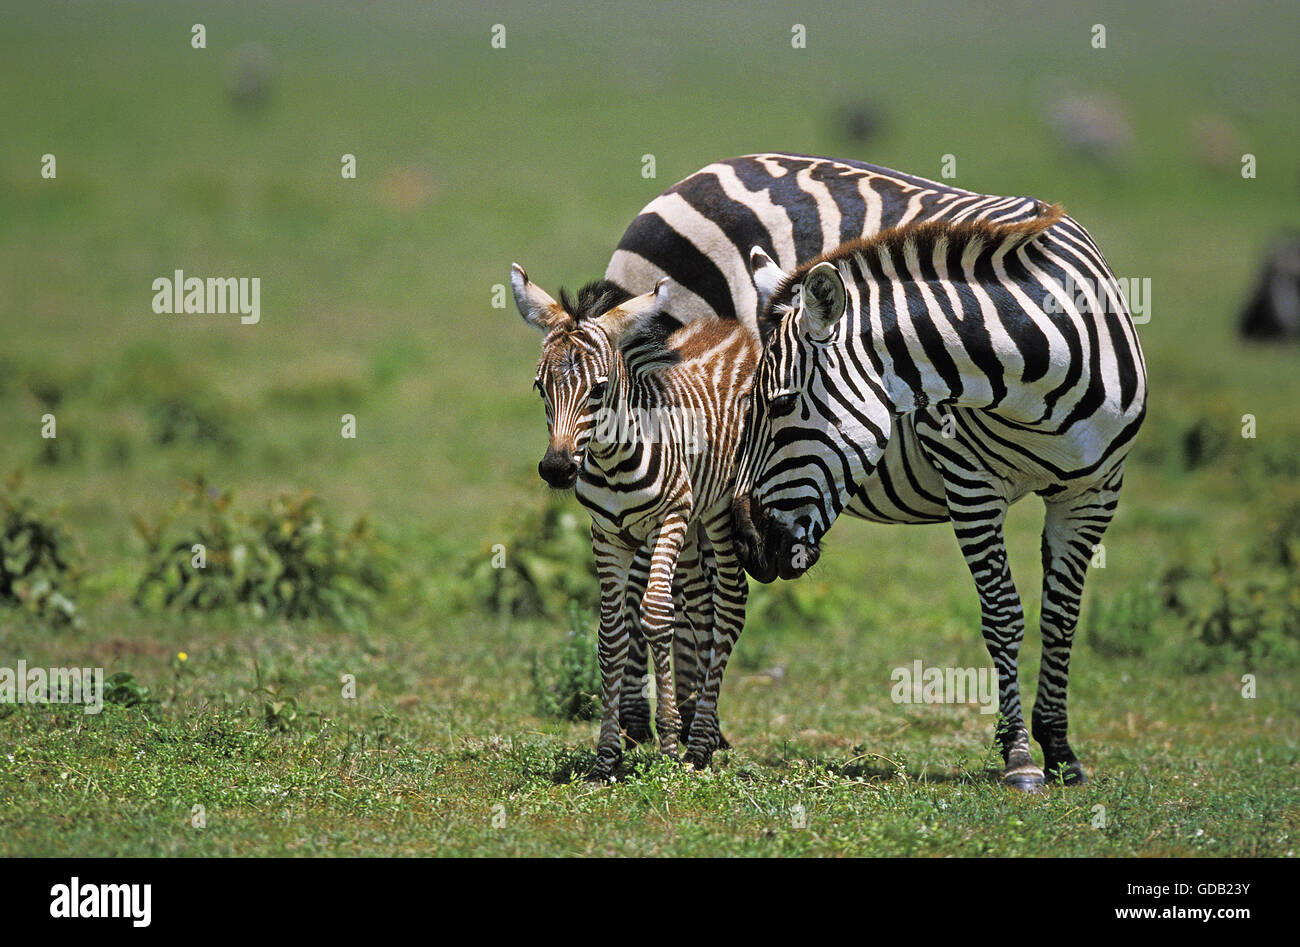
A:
(925, 235)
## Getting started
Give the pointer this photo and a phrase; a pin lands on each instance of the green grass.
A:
(376, 302)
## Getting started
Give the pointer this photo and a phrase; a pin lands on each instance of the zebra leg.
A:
(978, 509)
(634, 701)
(657, 622)
(979, 532)
(698, 586)
(687, 666)
(613, 560)
(702, 618)
(729, 595)
(1071, 531)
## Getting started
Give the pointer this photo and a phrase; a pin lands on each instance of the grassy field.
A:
(377, 302)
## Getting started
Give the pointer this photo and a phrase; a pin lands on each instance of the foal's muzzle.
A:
(559, 469)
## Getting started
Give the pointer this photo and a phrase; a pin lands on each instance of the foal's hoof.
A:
(1029, 781)
(1071, 774)
(638, 735)
(603, 771)
(698, 760)
(723, 743)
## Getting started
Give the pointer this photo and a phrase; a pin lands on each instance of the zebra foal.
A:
(666, 403)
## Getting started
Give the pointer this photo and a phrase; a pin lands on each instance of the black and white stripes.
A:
(1014, 386)
(654, 411)
(948, 446)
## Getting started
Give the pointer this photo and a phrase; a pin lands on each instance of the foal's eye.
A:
(598, 390)
(783, 404)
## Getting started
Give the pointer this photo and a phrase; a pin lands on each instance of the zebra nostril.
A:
(558, 468)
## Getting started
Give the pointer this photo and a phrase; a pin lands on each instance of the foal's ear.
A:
(622, 320)
(824, 299)
(536, 306)
(767, 277)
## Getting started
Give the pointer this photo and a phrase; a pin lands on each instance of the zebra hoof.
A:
(1070, 774)
(698, 761)
(722, 742)
(638, 735)
(1027, 781)
(606, 763)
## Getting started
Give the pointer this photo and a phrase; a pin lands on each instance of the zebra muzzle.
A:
(768, 549)
(559, 469)
(748, 526)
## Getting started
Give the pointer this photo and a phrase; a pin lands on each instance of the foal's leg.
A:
(657, 623)
(612, 561)
(634, 700)
(729, 596)
(688, 588)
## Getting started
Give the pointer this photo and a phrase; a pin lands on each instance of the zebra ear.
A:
(624, 319)
(536, 306)
(824, 299)
(767, 277)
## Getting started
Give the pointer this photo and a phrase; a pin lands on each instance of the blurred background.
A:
(377, 301)
(377, 291)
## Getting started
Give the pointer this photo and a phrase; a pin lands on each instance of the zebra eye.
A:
(782, 405)
(598, 390)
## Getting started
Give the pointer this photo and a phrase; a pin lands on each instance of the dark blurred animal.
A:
(1274, 308)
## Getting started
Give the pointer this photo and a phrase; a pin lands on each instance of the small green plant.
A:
(1258, 618)
(183, 420)
(568, 685)
(1281, 540)
(36, 559)
(289, 560)
(808, 603)
(543, 562)
(124, 690)
(1228, 618)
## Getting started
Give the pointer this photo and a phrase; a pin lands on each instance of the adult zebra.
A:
(1022, 330)
(698, 233)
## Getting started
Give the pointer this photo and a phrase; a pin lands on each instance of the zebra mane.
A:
(645, 348)
(595, 299)
(981, 236)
